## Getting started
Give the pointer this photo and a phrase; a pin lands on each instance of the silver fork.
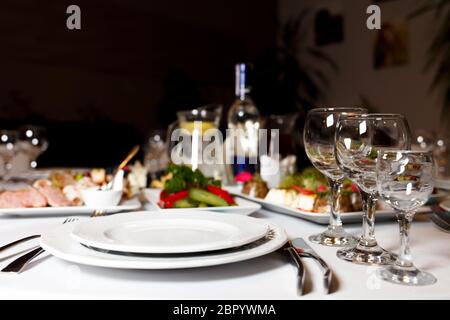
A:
(20, 263)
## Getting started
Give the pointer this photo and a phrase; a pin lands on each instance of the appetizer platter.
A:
(184, 188)
(305, 195)
(65, 192)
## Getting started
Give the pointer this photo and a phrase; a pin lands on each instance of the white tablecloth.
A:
(269, 277)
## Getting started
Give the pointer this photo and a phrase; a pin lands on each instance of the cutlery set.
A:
(21, 262)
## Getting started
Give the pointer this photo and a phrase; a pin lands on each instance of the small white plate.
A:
(59, 243)
(321, 218)
(185, 231)
(244, 207)
(129, 205)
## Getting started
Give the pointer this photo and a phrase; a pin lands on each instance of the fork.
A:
(301, 269)
(20, 263)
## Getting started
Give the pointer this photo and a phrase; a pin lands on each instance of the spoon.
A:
(122, 165)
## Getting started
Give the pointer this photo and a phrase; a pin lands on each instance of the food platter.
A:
(320, 217)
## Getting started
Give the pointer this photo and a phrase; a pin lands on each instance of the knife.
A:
(301, 270)
(304, 250)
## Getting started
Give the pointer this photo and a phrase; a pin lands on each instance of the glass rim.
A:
(373, 116)
(405, 152)
(337, 109)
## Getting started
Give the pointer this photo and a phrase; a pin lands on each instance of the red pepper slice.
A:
(221, 193)
(163, 195)
(168, 204)
(354, 188)
(322, 188)
(303, 190)
(171, 198)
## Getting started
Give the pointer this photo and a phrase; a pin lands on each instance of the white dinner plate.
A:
(185, 231)
(61, 244)
(322, 218)
(244, 207)
(128, 205)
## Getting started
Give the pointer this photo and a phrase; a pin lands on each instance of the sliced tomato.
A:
(303, 190)
(322, 188)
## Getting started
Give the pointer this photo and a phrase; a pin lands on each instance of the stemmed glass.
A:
(405, 181)
(318, 136)
(33, 141)
(155, 148)
(8, 149)
(358, 139)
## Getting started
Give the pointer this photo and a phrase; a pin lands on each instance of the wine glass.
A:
(318, 136)
(33, 141)
(8, 149)
(155, 148)
(358, 139)
(405, 181)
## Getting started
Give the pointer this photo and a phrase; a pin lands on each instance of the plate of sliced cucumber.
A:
(202, 200)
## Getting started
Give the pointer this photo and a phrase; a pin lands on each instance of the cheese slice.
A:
(306, 202)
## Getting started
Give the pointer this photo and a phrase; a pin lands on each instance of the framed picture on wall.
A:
(391, 46)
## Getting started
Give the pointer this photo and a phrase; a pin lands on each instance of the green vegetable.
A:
(202, 205)
(175, 184)
(291, 180)
(79, 176)
(312, 178)
(309, 178)
(207, 197)
(184, 203)
(191, 179)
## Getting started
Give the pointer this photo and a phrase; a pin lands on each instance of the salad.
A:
(187, 188)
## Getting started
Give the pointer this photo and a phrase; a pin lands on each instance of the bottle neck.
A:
(242, 88)
(242, 94)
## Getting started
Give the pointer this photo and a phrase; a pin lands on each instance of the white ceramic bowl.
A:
(96, 198)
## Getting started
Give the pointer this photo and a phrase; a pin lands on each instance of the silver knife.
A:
(301, 270)
(304, 250)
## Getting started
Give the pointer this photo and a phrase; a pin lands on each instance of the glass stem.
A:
(368, 229)
(7, 171)
(404, 221)
(335, 216)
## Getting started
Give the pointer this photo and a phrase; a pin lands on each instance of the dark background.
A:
(99, 90)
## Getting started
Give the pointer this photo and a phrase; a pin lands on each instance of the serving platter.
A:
(244, 206)
(128, 205)
(321, 218)
(61, 244)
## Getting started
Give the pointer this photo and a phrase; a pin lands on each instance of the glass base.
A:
(406, 276)
(334, 237)
(373, 255)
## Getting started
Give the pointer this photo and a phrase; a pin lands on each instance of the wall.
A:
(402, 89)
(115, 67)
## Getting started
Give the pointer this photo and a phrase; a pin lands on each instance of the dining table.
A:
(273, 276)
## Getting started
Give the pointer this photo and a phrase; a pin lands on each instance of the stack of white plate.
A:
(143, 240)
